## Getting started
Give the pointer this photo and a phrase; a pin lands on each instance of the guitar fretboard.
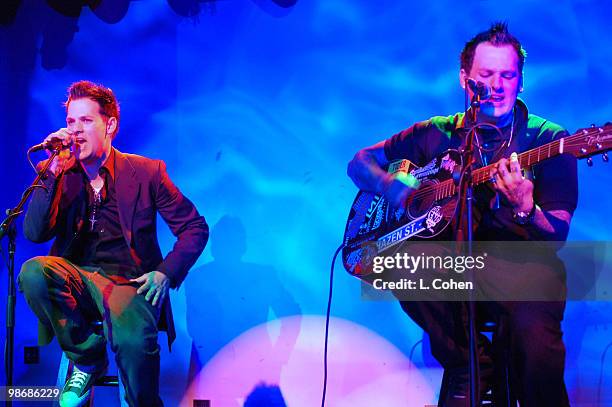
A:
(580, 144)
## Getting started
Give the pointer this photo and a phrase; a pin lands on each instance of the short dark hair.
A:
(497, 35)
(104, 96)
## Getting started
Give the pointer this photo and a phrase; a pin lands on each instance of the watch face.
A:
(521, 218)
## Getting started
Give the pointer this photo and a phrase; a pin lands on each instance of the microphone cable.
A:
(601, 371)
(327, 316)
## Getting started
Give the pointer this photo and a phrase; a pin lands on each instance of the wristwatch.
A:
(524, 218)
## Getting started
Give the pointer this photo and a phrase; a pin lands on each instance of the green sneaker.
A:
(77, 389)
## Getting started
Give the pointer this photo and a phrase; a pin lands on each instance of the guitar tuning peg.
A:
(590, 162)
(604, 157)
(583, 150)
(592, 124)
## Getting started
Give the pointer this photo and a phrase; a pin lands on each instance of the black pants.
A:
(536, 349)
(67, 298)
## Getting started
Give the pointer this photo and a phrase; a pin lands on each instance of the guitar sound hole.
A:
(419, 204)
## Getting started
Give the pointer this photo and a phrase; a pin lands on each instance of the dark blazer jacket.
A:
(142, 189)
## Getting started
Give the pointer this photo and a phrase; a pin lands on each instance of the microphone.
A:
(480, 89)
(53, 144)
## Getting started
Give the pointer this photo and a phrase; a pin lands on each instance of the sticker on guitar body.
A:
(430, 169)
(375, 208)
(427, 221)
(401, 234)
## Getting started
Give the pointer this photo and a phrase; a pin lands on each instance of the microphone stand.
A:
(7, 228)
(464, 236)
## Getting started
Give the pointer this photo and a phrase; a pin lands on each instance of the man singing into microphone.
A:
(528, 210)
(105, 264)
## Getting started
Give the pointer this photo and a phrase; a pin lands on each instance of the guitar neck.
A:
(583, 143)
(526, 159)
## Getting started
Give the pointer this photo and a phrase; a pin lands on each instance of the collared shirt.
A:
(100, 241)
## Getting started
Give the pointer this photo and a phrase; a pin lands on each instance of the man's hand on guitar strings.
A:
(508, 180)
(396, 188)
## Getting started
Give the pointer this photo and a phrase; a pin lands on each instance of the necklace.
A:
(95, 206)
(505, 145)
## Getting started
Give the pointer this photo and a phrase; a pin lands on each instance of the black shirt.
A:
(100, 241)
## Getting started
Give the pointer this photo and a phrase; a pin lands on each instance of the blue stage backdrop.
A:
(257, 107)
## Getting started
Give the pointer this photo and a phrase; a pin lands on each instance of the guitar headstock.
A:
(590, 141)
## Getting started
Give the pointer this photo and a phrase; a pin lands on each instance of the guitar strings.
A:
(447, 187)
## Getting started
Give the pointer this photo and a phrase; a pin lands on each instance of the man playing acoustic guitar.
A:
(525, 210)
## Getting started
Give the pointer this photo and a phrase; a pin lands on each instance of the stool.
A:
(500, 395)
(65, 370)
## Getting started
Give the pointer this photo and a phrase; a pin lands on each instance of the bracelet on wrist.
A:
(524, 217)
